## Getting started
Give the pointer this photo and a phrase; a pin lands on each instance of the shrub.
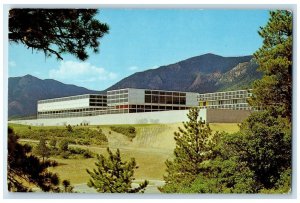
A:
(69, 128)
(128, 131)
(83, 142)
(79, 151)
(81, 135)
(87, 154)
(63, 145)
(53, 143)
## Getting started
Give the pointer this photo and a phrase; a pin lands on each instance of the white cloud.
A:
(12, 64)
(154, 67)
(133, 68)
(136, 68)
(72, 72)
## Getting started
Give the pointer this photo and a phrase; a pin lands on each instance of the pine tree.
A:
(274, 90)
(67, 186)
(57, 31)
(267, 134)
(193, 149)
(23, 168)
(113, 175)
(264, 144)
(42, 149)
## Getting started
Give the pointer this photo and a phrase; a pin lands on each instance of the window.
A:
(182, 100)
(176, 100)
(154, 99)
(162, 99)
(147, 98)
(132, 110)
(162, 107)
(169, 107)
(169, 100)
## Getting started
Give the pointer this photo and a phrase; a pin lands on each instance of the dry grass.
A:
(151, 147)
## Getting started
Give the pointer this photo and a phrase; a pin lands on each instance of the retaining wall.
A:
(226, 115)
(109, 119)
(209, 115)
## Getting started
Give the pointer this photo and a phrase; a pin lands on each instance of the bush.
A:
(63, 145)
(88, 154)
(69, 128)
(78, 151)
(80, 135)
(128, 131)
(53, 143)
(83, 142)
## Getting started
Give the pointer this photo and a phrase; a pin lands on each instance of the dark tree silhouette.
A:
(57, 31)
(24, 169)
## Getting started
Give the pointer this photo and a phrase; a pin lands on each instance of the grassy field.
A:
(151, 147)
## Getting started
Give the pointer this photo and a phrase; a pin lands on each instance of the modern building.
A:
(131, 100)
(236, 100)
(73, 106)
(127, 100)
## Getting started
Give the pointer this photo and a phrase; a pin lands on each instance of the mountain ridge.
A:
(183, 75)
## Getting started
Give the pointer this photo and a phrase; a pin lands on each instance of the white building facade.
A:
(236, 100)
(73, 106)
(131, 100)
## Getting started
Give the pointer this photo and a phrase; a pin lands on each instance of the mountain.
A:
(23, 93)
(205, 73)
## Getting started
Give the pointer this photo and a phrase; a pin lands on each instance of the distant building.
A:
(73, 106)
(131, 100)
(127, 100)
(236, 100)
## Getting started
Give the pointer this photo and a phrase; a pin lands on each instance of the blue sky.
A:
(141, 39)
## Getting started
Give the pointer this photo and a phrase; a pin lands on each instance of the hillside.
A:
(205, 73)
(23, 93)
